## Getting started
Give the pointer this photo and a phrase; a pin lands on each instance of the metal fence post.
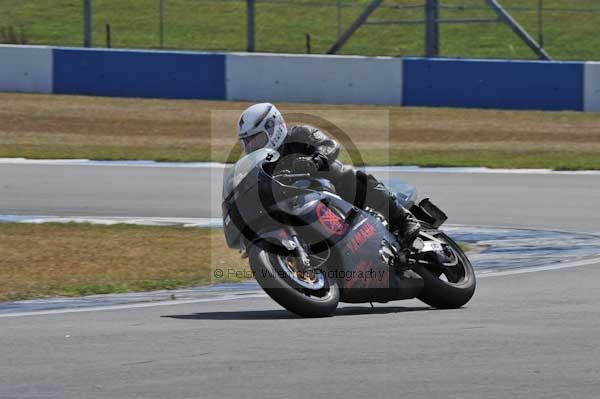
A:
(161, 28)
(339, 18)
(361, 19)
(250, 17)
(518, 29)
(432, 28)
(108, 36)
(87, 23)
(540, 12)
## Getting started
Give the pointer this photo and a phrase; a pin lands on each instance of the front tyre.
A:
(317, 299)
(447, 287)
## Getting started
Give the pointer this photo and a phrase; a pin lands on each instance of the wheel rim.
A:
(313, 280)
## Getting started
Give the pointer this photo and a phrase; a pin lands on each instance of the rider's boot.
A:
(404, 222)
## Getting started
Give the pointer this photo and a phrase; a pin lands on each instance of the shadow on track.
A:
(284, 314)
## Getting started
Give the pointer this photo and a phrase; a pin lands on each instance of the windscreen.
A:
(405, 192)
(244, 166)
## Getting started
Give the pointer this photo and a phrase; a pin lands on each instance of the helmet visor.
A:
(255, 142)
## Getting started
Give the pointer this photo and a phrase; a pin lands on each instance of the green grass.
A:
(219, 25)
(81, 259)
(490, 159)
(466, 247)
(52, 126)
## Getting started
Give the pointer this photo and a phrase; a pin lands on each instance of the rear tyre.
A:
(447, 287)
(318, 301)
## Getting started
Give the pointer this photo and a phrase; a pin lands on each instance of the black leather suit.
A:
(354, 186)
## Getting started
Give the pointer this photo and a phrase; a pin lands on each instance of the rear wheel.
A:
(450, 284)
(307, 294)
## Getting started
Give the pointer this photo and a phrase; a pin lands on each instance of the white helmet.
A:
(261, 126)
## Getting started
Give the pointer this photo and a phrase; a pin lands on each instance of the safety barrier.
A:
(26, 69)
(501, 84)
(122, 73)
(314, 79)
(493, 84)
(591, 92)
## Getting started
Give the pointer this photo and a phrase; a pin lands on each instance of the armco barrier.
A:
(26, 69)
(123, 73)
(302, 78)
(315, 79)
(591, 95)
(493, 84)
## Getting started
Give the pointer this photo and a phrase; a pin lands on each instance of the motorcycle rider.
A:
(306, 149)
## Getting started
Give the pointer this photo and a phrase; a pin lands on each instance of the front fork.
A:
(293, 244)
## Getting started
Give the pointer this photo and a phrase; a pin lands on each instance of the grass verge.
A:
(42, 126)
(81, 259)
(45, 260)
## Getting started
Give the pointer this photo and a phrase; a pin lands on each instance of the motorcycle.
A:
(309, 249)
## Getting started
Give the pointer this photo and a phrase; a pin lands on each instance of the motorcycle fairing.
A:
(362, 273)
(355, 262)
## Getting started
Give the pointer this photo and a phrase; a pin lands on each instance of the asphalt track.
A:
(544, 201)
(531, 335)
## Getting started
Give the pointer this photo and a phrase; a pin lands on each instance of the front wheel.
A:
(447, 286)
(305, 294)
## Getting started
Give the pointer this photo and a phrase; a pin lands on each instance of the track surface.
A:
(566, 202)
(531, 335)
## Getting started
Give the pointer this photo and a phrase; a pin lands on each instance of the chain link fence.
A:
(566, 29)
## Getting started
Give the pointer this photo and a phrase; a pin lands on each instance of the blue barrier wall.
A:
(503, 84)
(493, 84)
(122, 73)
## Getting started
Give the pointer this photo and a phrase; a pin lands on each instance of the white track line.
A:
(89, 162)
(111, 220)
(134, 305)
(479, 170)
(259, 294)
(558, 266)
(218, 165)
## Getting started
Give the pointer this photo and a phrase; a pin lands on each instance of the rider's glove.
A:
(303, 165)
(321, 161)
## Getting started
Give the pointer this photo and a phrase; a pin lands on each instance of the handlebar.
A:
(296, 176)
